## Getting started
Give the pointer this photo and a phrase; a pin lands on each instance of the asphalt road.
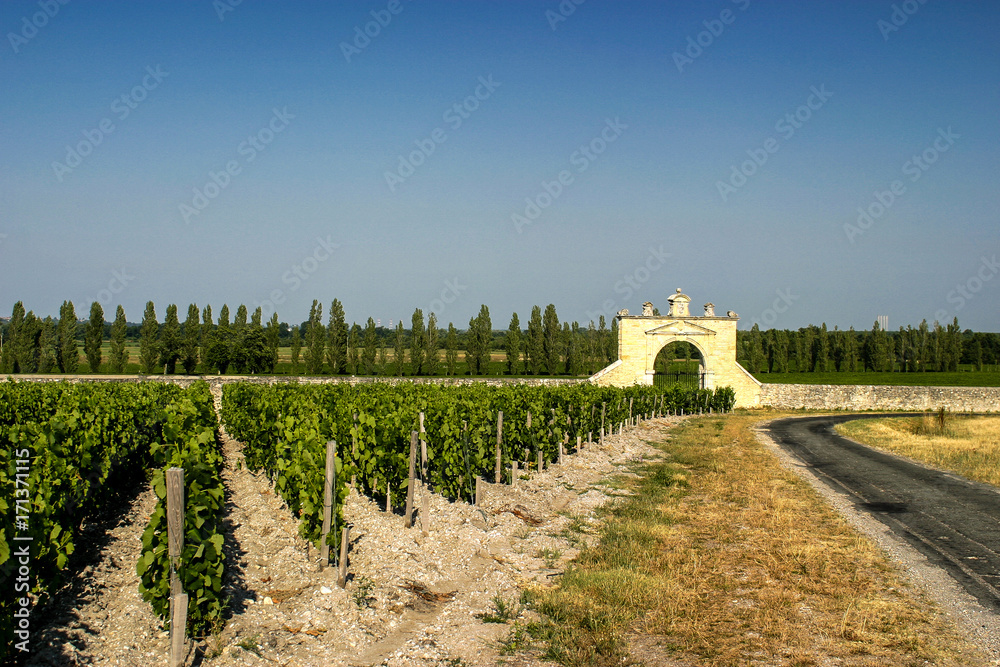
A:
(954, 522)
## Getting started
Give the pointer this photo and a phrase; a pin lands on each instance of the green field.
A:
(943, 379)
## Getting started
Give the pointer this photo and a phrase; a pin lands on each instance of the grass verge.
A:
(968, 446)
(722, 557)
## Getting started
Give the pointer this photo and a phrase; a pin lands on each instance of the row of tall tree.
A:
(911, 349)
(29, 344)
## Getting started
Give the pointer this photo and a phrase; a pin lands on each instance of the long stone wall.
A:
(218, 380)
(879, 397)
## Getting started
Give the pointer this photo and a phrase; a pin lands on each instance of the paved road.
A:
(952, 521)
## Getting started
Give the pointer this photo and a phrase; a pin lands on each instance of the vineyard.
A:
(69, 444)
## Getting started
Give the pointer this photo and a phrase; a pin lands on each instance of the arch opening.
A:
(679, 363)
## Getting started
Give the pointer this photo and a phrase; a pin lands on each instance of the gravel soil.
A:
(410, 599)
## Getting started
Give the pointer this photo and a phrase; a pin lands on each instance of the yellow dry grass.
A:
(728, 559)
(968, 446)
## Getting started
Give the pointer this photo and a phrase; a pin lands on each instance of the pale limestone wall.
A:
(869, 397)
(640, 339)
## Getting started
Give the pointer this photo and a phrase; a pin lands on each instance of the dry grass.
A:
(730, 560)
(968, 446)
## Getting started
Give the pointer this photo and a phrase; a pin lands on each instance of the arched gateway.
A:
(641, 337)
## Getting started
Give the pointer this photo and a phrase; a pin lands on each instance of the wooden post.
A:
(178, 629)
(410, 484)
(425, 511)
(590, 437)
(175, 526)
(423, 452)
(560, 453)
(579, 444)
(328, 486)
(630, 410)
(354, 450)
(344, 536)
(497, 477)
(539, 460)
(603, 408)
(388, 497)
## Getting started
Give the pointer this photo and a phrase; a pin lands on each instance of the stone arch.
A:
(662, 374)
(642, 337)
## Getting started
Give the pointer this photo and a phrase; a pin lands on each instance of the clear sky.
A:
(796, 162)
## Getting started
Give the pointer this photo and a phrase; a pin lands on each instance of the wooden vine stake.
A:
(344, 536)
(175, 547)
(329, 484)
(560, 453)
(178, 623)
(412, 479)
(579, 444)
(604, 407)
(497, 477)
(175, 526)
(513, 473)
(354, 450)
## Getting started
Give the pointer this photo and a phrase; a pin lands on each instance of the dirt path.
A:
(410, 600)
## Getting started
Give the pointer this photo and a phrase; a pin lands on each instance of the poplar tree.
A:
(451, 349)
(755, 350)
(612, 342)
(93, 337)
(550, 339)
(192, 336)
(601, 346)
(119, 353)
(273, 337)
(822, 354)
(484, 340)
(370, 351)
(512, 346)
(315, 339)
(296, 348)
(170, 340)
(149, 350)
(336, 353)
(8, 358)
(400, 349)
(535, 347)
(432, 347)
(256, 318)
(851, 350)
(68, 355)
(591, 348)
(47, 346)
(207, 331)
(417, 342)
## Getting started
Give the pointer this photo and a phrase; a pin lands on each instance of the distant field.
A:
(953, 379)
(968, 446)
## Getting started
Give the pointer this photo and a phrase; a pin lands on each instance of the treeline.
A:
(926, 348)
(246, 344)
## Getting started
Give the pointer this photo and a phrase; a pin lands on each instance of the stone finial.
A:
(730, 313)
(679, 304)
(647, 308)
(623, 312)
(709, 309)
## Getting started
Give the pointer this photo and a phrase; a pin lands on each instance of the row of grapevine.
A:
(66, 448)
(284, 428)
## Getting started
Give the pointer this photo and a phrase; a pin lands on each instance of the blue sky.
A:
(593, 155)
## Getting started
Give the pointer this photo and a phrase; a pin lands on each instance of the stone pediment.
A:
(680, 328)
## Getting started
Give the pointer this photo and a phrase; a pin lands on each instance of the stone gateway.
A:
(641, 337)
